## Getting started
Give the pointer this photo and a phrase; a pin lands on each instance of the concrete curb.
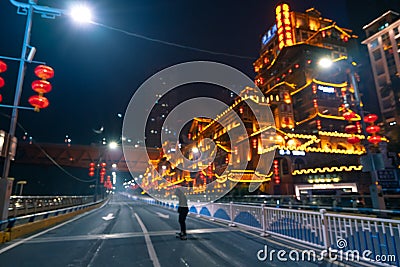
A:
(28, 228)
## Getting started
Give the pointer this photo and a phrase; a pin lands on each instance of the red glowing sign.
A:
(285, 36)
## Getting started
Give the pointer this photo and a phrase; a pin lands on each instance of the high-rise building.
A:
(383, 42)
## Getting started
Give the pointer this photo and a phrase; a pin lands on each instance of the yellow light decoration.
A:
(291, 85)
(307, 119)
(328, 169)
(340, 85)
(334, 151)
(301, 88)
(343, 135)
(357, 117)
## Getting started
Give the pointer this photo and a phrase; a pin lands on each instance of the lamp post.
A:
(102, 151)
(377, 199)
(46, 12)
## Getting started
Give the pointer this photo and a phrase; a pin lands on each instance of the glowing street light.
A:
(113, 145)
(81, 13)
(325, 62)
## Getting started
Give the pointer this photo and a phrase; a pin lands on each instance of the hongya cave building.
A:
(315, 151)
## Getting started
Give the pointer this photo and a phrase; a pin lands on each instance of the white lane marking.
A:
(162, 215)
(150, 248)
(126, 235)
(109, 216)
(184, 262)
(48, 230)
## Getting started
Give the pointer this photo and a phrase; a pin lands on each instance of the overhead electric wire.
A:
(61, 168)
(49, 157)
(144, 37)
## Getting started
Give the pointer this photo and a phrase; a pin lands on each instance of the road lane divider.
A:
(149, 244)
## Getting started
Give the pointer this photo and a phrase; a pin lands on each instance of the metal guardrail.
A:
(349, 203)
(345, 235)
(24, 205)
(11, 222)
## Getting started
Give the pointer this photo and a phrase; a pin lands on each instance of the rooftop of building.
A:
(381, 23)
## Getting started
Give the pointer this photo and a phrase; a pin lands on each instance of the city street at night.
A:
(127, 233)
(211, 133)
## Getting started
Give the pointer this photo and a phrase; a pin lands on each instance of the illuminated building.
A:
(312, 152)
(308, 103)
(383, 42)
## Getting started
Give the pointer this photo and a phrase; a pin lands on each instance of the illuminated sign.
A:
(326, 89)
(283, 152)
(269, 35)
(284, 25)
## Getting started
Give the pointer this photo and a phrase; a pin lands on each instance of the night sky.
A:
(97, 70)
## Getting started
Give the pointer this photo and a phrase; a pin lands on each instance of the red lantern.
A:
(376, 139)
(1, 82)
(349, 115)
(351, 129)
(91, 164)
(91, 169)
(101, 179)
(44, 72)
(41, 86)
(370, 118)
(91, 174)
(373, 129)
(353, 140)
(103, 164)
(3, 66)
(38, 102)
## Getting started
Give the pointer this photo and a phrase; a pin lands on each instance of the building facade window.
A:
(377, 54)
(374, 44)
(396, 31)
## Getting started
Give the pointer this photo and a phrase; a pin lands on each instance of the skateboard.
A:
(182, 237)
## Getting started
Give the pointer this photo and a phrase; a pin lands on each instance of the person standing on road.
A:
(183, 211)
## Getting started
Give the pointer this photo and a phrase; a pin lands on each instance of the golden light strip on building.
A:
(328, 169)
(344, 135)
(334, 151)
(344, 84)
(167, 183)
(357, 117)
(284, 25)
(314, 149)
(301, 88)
(307, 119)
(291, 85)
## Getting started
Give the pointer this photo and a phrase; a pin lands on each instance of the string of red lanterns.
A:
(351, 128)
(373, 129)
(41, 87)
(3, 68)
(91, 169)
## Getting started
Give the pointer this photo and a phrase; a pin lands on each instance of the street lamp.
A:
(81, 14)
(369, 163)
(23, 9)
(102, 151)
